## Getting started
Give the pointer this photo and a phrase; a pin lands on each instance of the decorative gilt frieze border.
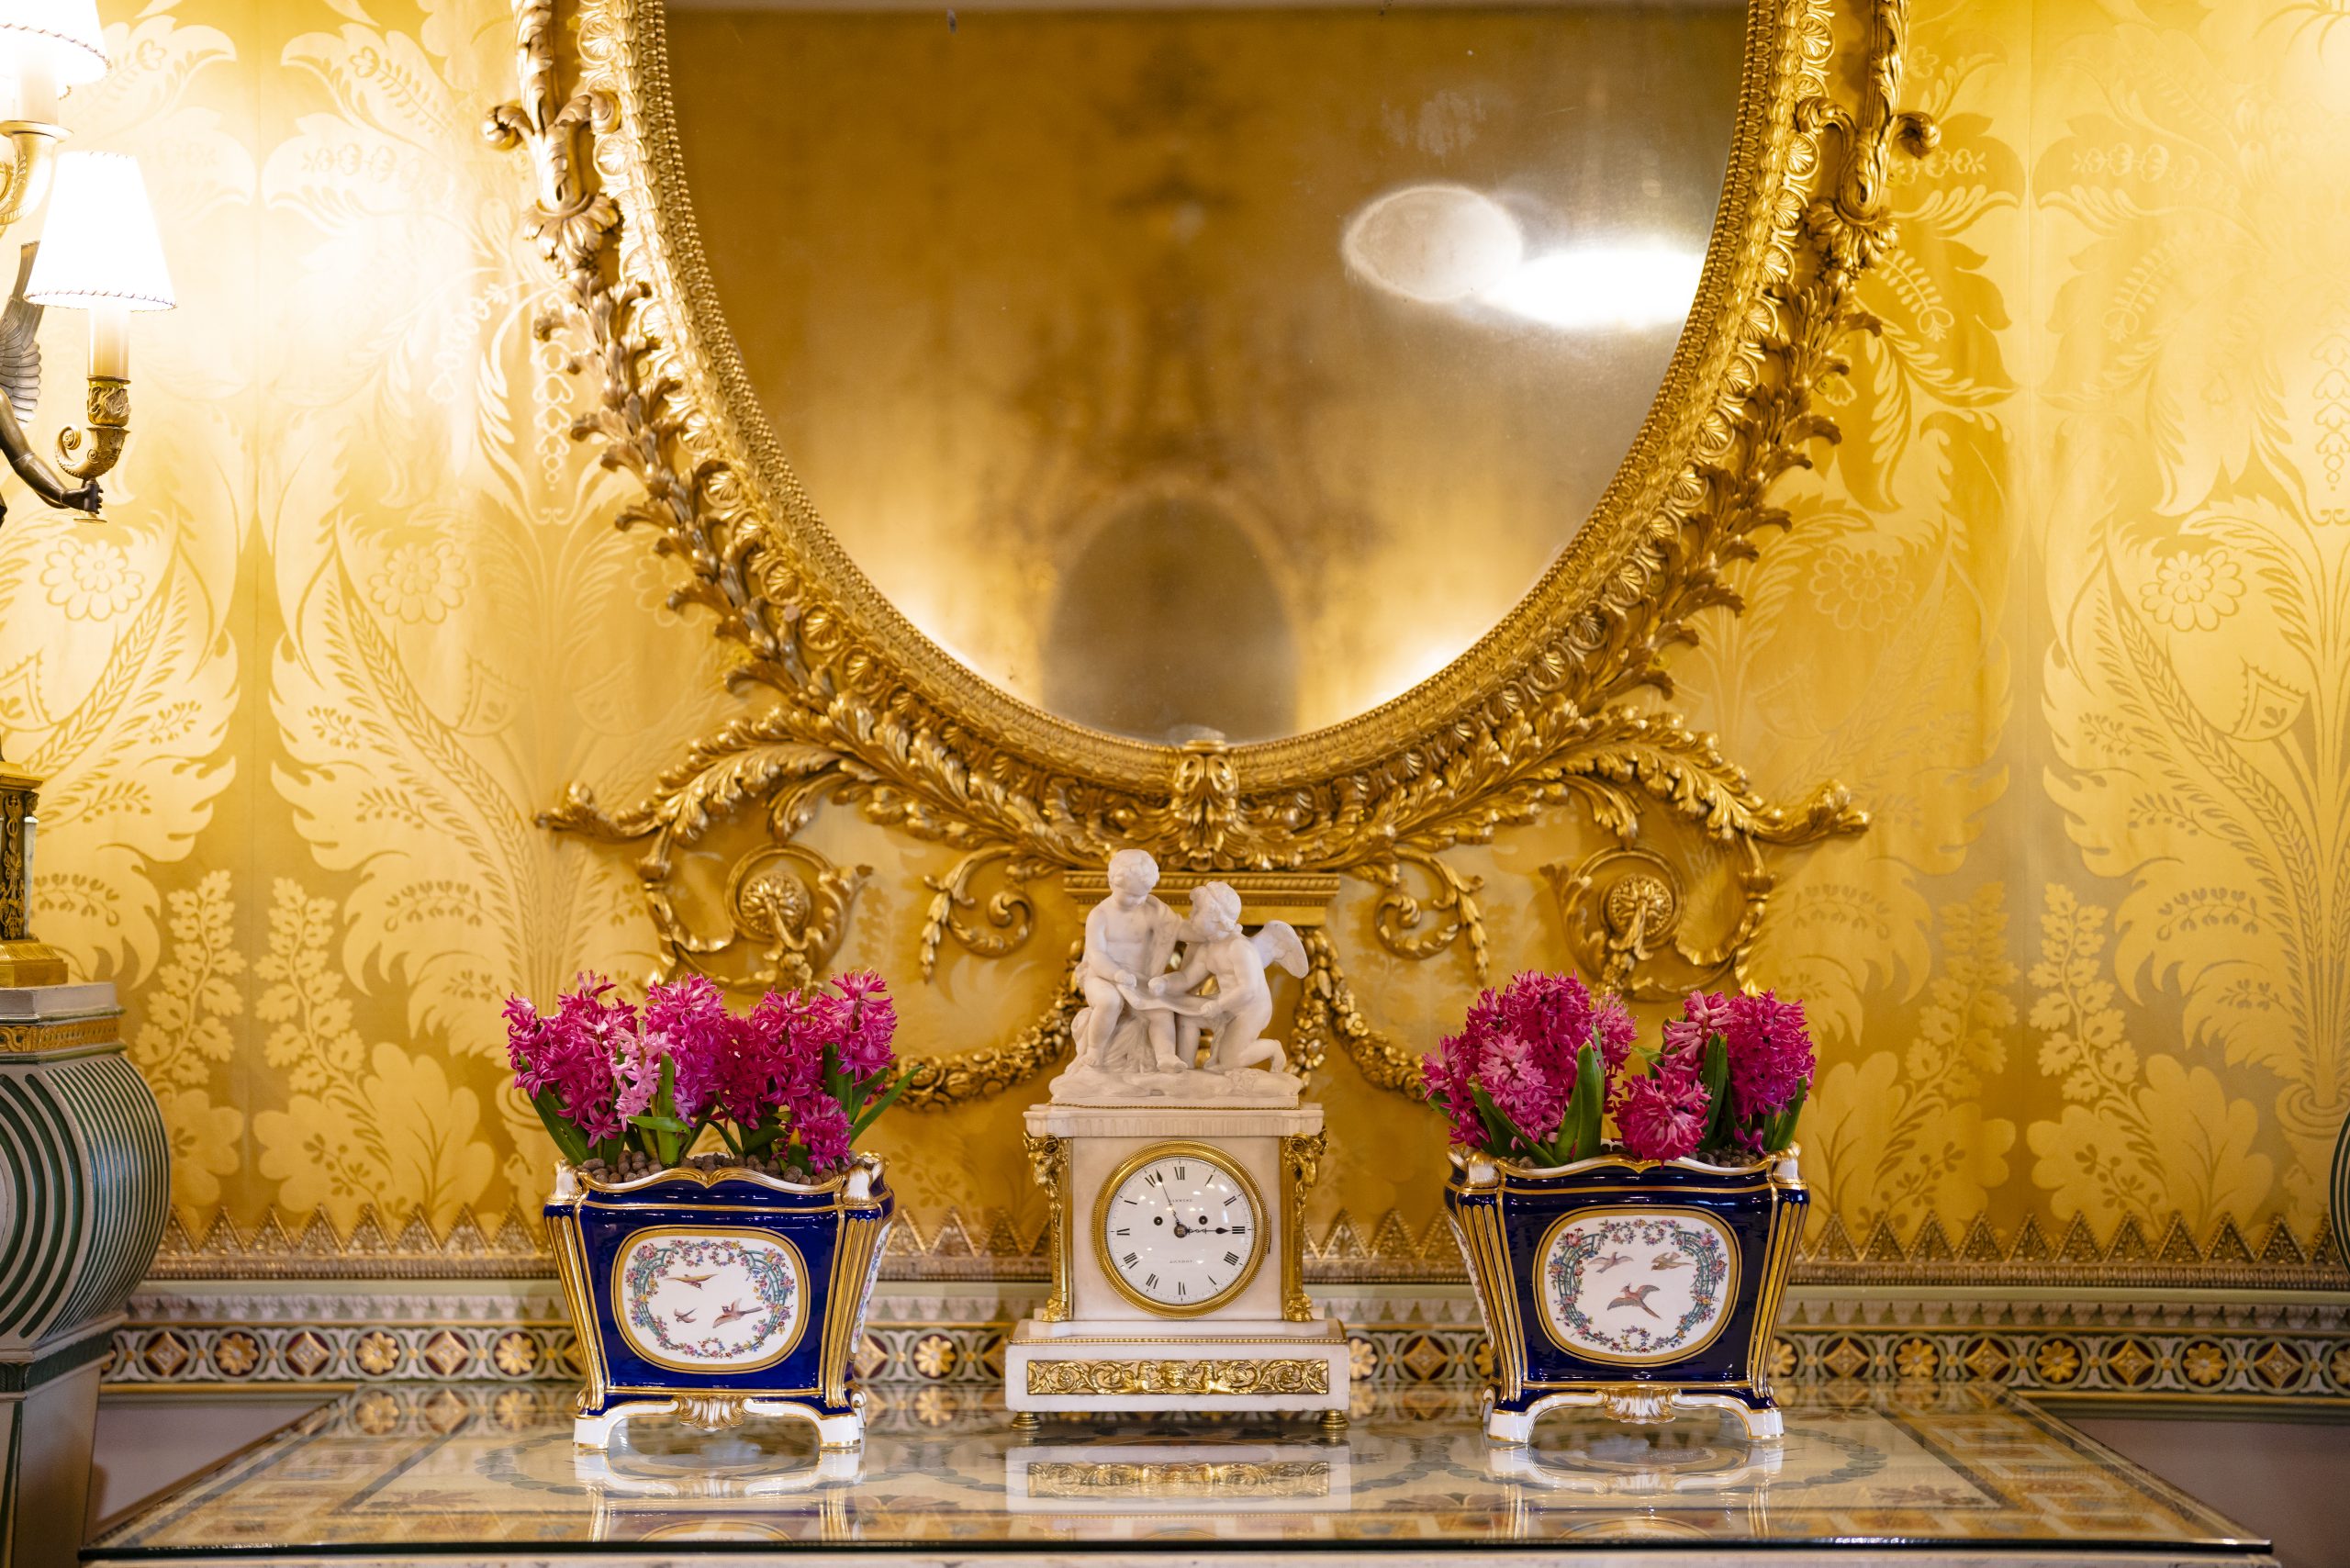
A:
(1558, 705)
(61, 1035)
(1236, 1375)
(993, 1247)
(2252, 1350)
(316, 1247)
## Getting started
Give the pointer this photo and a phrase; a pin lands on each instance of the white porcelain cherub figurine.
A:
(1137, 1036)
(1129, 937)
(1237, 1011)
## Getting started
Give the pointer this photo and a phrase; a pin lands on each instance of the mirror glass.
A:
(1204, 368)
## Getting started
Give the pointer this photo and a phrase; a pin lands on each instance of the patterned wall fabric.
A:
(2069, 609)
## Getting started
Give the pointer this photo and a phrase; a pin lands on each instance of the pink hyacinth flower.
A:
(1704, 1015)
(576, 1053)
(1445, 1076)
(1615, 1032)
(686, 1021)
(1771, 1055)
(823, 1129)
(1662, 1116)
(1528, 1091)
(867, 1021)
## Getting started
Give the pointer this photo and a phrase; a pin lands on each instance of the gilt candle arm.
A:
(89, 450)
(45, 481)
(23, 182)
(98, 252)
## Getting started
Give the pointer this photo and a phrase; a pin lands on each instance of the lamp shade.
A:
(99, 246)
(65, 33)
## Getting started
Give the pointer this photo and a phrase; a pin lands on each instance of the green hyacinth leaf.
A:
(568, 1139)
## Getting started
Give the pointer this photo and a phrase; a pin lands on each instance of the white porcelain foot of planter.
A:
(1641, 1406)
(710, 1413)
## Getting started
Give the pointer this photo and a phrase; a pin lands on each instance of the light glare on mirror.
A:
(1583, 286)
(1433, 244)
(1447, 244)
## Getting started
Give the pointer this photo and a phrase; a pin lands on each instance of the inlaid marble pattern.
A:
(455, 1468)
(2115, 1348)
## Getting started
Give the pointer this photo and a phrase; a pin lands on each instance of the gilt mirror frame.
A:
(1565, 701)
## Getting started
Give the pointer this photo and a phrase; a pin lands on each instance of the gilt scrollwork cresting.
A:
(1559, 705)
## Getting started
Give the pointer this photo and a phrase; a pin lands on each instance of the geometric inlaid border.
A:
(2272, 1353)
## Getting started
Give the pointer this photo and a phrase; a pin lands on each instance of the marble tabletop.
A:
(1942, 1473)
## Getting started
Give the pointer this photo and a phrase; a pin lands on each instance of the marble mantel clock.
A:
(1178, 1185)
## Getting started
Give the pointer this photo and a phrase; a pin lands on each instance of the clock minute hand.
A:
(1182, 1230)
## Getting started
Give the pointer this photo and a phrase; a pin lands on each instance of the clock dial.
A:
(1178, 1229)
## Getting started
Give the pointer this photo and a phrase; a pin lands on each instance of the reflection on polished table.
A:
(1941, 1474)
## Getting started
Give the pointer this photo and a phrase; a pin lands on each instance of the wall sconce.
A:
(98, 251)
(87, 1179)
(91, 1175)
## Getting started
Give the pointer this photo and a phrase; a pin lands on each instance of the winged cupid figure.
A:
(1139, 1033)
(1217, 950)
(20, 390)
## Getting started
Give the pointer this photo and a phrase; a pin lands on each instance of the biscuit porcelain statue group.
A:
(1177, 1151)
(1148, 1007)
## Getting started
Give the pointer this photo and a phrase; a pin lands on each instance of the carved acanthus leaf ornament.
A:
(1562, 703)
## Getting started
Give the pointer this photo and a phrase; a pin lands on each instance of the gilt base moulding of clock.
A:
(1177, 1178)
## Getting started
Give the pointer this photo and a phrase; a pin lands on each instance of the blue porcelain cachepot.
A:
(708, 1295)
(1636, 1288)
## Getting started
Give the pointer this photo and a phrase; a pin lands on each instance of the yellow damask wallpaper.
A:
(2069, 609)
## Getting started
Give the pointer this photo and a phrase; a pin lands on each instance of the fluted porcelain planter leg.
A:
(84, 1187)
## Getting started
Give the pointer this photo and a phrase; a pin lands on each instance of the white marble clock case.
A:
(1111, 1353)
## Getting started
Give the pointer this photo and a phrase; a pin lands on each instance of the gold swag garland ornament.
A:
(1560, 702)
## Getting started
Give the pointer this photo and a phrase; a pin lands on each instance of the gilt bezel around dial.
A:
(1217, 1159)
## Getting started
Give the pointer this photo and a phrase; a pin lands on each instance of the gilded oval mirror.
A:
(1203, 371)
